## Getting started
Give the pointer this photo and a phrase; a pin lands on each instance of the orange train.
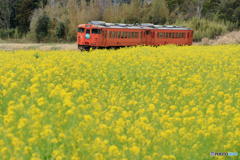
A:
(98, 34)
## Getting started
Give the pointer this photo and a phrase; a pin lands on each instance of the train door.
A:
(191, 37)
(87, 37)
(148, 37)
(153, 38)
(104, 38)
(143, 37)
(187, 37)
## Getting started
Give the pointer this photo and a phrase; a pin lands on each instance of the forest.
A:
(57, 20)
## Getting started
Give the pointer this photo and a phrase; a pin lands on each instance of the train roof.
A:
(137, 26)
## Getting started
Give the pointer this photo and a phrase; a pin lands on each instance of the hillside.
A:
(56, 20)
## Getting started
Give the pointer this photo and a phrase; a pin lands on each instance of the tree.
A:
(42, 26)
(159, 12)
(60, 30)
(108, 14)
(6, 9)
(199, 6)
(133, 12)
(210, 8)
(25, 10)
(174, 5)
(192, 8)
(230, 11)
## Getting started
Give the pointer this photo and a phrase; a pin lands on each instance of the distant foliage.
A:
(217, 16)
(42, 26)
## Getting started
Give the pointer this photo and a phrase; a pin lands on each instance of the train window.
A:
(141, 35)
(179, 36)
(110, 34)
(161, 35)
(132, 34)
(122, 34)
(176, 35)
(105, 33)
(169, 35)
(88, 31)
(129, 34)
(119, 34)
(125, 34)
(147, 32)
(158, 35)
(166, 35)
(172, 35)
(81, 30)
(183, 35)
(135, 35)
(113, 35)
(95, 31)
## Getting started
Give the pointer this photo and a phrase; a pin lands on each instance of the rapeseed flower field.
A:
(140, 103)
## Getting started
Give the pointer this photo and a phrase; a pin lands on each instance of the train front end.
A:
(88, 36)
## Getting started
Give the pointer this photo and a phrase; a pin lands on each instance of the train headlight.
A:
(87, 36)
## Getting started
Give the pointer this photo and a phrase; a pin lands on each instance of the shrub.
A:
(11, 33)
(5, 34)
(205, 28)
(42, 26)
(60, 30)
(17, 34)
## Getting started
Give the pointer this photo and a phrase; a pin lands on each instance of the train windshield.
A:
(81, 30)
(96, 31)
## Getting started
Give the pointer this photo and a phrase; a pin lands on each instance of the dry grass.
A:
(230, 37)
(205, 41)
(39, 46)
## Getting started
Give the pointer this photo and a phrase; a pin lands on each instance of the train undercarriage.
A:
(87, 48)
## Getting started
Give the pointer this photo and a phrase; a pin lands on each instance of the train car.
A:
(98, 34)
(162, 35)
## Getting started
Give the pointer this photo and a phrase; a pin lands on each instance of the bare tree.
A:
(6, 8)
(199, 6)
(223, 1)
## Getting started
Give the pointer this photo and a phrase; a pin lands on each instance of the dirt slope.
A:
(230, 37)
